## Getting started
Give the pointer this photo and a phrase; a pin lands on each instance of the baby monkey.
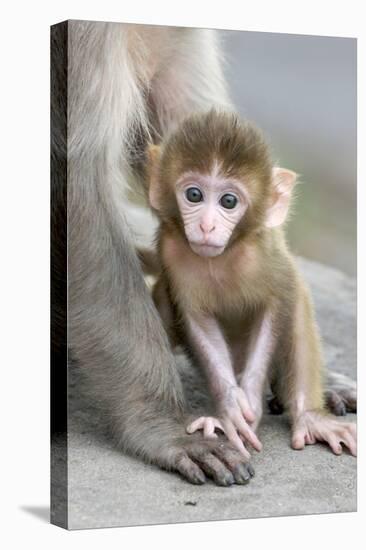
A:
(229, 290)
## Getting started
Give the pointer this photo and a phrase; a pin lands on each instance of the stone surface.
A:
(107, 488)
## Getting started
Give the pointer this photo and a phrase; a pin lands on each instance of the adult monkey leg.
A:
(119, 85)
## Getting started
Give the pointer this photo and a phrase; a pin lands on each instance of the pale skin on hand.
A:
(235, 411)
(313, 426)
(248, 392)
(224, 255)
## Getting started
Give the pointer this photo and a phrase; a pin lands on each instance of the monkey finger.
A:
(242, 474)
(246, 408)
(309, 439)
(233, 459)
(353, 429)
(214, 468)
(215, 424)
(207, 424)
(251, 470)
(249, 435)
(235, 440)
(351, 403)
(195, 425)
(333, 443)
(298, 440)
(335, 403)
(350, 443)
(218, 424)
(189, 470)
(349, 397)
(209, 429)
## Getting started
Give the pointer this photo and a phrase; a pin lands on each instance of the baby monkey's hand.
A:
(236, 417)
(207, 424)
(235, 413)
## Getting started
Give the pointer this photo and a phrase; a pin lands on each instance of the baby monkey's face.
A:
(210, 206)
(217, 170)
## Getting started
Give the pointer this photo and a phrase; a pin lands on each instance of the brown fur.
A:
(255, 273)
(201, 140)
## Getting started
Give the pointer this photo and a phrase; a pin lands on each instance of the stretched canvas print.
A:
(203, 274)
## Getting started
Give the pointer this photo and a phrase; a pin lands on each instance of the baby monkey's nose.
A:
(206, 227)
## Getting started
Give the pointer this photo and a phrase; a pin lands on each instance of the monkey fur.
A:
(115, 87)
(239, 288)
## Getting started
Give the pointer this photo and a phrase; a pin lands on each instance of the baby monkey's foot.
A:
(314, 426)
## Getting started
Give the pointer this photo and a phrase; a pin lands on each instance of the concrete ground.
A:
(108, 489)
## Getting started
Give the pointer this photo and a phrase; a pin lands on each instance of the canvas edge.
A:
(59, 354)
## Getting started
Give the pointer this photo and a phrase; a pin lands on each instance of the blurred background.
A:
(301, 90)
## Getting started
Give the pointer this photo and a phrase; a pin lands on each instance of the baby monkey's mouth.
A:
(206, 250)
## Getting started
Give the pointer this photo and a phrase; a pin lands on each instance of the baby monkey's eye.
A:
(228, 201)
(193, 194)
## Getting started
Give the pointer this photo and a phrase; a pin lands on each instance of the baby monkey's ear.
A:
(283, 182)
(153, 157)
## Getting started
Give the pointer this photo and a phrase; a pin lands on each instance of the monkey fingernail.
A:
(255, 443)
(341, 410)
(258, 447)
(298, 443)
(251, 470)
(227, 480)
(198, 478)
(241, 474)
